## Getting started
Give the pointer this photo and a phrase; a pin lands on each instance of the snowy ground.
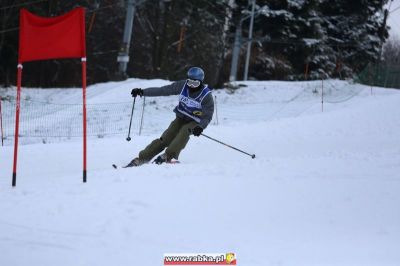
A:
(323, 190)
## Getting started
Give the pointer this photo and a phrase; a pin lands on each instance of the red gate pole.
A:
(84, 116)
(16, 133)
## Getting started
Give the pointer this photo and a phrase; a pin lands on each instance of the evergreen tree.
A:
(292, 39)
(357, 29)
(171, 36)
(329, 39)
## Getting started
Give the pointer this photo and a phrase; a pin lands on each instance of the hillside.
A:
(323, 189)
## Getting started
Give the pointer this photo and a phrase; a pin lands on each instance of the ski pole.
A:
(229, 146)
(130, 123)
(141, 120)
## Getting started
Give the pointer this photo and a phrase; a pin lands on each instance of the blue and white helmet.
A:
(195, 73)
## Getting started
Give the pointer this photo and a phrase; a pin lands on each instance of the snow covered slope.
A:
(323, 190)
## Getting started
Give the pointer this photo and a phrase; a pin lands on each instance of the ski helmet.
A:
(195, 73)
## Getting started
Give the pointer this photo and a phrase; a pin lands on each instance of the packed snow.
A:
(324, 188)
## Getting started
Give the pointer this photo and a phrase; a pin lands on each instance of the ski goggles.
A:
(193, 83)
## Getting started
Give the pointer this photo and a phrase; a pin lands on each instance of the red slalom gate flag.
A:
(50, 38)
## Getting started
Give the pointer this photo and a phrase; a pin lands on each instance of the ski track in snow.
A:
(323, 189)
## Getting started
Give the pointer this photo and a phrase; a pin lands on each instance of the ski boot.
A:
(163, 158)
(135, 162)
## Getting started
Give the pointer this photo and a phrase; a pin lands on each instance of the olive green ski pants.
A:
(174, 138)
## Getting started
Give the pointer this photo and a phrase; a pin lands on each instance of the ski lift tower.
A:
(123, 55)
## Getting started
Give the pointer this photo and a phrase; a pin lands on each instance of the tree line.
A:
(292, 39)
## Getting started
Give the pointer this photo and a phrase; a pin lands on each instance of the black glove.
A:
(197, 130)
(137, 91)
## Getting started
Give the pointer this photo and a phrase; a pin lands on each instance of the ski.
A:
(174, 162)
(169, 162)
(116, 167)
(127, 166)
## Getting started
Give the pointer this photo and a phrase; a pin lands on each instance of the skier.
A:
(193, 114)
